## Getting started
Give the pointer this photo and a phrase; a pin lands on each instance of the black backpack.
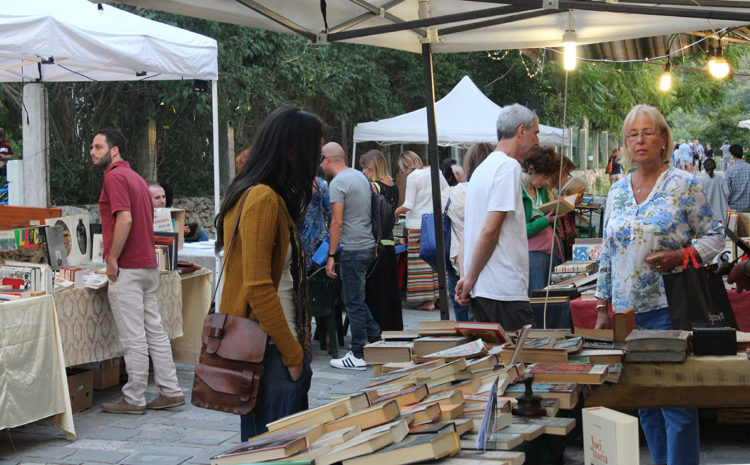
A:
(382, 216)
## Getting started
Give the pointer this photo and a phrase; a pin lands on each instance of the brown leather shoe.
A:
(163, 401)
(122, 406)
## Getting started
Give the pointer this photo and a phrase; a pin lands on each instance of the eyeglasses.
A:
(647, 134)
(322, 157)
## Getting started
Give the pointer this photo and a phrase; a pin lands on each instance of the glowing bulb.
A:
(665, 83)
(718, 67)
(569, 50)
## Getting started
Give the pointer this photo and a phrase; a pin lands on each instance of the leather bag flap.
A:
(242, 339)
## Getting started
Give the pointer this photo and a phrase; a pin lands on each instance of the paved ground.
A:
(189, 435)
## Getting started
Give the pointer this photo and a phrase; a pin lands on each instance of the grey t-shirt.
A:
(352, 187)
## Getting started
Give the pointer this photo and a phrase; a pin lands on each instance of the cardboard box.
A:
(105, 373)
(80, 385)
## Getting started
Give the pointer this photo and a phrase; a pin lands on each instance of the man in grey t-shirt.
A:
(351, 226)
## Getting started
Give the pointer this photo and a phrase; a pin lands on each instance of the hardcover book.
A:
(609, 437)
(412, 449)
(260, 450)
(488, 332)
(583, 373)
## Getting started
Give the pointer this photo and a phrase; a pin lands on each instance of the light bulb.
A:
(569, 50)
(665, 83)
(718, 67)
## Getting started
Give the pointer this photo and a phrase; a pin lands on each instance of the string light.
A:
(717, 64)
(665, 83)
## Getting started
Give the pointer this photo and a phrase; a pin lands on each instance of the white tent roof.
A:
(464, 116)
(510, 24)
(72, 40)
(744, 124)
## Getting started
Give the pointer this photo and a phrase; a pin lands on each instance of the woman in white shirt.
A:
(421, 281)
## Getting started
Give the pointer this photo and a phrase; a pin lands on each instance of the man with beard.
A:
(127, 215)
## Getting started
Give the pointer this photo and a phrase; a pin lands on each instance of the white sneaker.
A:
(349, 362)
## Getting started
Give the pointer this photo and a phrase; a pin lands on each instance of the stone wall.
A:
(202, 207)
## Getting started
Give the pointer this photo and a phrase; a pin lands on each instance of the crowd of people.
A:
(277, 213)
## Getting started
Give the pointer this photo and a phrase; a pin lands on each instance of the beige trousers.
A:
(132, 299)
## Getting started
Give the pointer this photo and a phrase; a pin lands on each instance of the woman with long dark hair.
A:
(264, 279)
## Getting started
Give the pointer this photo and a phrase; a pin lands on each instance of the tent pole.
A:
(354, 155)
(217, 188)
(432, 155)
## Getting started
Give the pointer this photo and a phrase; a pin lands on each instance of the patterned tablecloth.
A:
(87, 328)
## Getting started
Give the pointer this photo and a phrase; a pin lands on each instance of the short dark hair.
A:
(736, 150)
(543, 160)
(114, 139)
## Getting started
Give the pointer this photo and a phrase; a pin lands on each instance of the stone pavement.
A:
(190, 435)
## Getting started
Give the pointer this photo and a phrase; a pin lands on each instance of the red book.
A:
(488, 332)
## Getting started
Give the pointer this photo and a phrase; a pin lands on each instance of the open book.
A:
(567, 205)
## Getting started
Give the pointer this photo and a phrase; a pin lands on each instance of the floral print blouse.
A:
(676, 214)
(314, 225)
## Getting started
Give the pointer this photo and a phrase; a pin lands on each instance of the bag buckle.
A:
(215, 332)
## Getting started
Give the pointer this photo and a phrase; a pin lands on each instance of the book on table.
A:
(261, 450)
(388, 351)
(557, 426)
(431, 344)
(567, 393)
(609, 437)
(475, 348)
(640, 340)
(487, 331)
(529, 432)
(495, 441)
(412, 449)
(406, 397)
(311, 417)
(368, 418)
(584, 373)
(359, 445)
(489, 456)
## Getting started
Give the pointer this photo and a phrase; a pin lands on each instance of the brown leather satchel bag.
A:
(230, 367)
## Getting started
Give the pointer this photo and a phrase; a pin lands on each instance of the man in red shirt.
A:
(128, 232)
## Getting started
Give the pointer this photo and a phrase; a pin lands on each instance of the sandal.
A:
(427, 305)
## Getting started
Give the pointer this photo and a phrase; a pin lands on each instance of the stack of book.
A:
(652, 345)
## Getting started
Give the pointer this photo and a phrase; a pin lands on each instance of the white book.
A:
(609, 437)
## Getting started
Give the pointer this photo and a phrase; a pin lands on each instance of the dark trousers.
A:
(511, 315)
(279, 395)
(381, 290)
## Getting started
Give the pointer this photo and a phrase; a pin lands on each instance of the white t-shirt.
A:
(418, 196)
(496, 186)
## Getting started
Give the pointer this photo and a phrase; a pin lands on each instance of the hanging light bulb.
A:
(569, 49)
(665, 83)
(718, 65)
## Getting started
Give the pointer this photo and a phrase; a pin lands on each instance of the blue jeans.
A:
(353, 266)
(461, 313)
(279, 395)
(672, 433)
(538, 270)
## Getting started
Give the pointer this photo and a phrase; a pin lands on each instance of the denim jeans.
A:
(460, 312)
(353, 266)
(672, 433)
(279, 395)
(539, 269)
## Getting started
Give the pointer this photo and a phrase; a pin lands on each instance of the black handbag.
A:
(229, 372)
(697, 297)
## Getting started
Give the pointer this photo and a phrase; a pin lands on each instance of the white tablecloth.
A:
(33, 384)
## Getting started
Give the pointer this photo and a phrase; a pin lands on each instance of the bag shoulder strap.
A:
(689, 255)
(227, 249)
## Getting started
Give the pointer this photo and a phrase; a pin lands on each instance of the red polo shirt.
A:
(124, 190)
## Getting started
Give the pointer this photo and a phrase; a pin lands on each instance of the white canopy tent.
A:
(441, 26)
(75, 40)
(464, 116)
(744, 124)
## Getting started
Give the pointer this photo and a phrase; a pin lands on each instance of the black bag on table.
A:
(697, 296)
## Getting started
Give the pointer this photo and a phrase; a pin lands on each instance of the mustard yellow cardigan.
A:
(254, 265)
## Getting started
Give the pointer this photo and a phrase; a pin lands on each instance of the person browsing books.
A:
(495, 247)
(265, 275)
(127, 216)
(539, 168)
(652, 214)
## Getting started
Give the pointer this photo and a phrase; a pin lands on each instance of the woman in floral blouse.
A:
(652, 214)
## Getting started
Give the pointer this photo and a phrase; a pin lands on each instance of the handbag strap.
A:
(689, 255)
(227, 249)
(447, 204)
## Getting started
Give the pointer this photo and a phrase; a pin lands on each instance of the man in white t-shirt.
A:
(496, 258)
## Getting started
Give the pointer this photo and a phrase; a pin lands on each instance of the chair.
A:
(324, 294)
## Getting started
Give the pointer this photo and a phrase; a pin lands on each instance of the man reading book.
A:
(495, 256)
(127, 215)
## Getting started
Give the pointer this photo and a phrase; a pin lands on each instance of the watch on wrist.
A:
(331, 255)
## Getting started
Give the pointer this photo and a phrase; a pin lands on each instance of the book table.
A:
(710, 382)
(33, 384)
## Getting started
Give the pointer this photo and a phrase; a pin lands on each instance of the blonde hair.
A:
(409, 161)
(626, 158)
(374, 160)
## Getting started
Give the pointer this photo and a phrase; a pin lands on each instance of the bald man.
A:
(158, 196)
(351, 227)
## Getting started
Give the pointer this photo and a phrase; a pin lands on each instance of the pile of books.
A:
(444, 390)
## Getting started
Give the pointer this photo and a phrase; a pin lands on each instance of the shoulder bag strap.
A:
(226, 249)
